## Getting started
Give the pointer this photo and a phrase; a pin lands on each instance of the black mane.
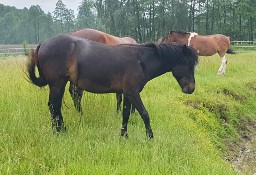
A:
(178, 54)
(180, 32)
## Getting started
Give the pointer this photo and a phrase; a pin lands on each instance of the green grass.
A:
(191, 131)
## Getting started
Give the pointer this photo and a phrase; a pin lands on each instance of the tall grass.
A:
(190, 130)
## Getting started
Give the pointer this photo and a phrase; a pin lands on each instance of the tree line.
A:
(145, 20)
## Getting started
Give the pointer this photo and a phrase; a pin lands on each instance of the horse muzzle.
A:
(189, 89)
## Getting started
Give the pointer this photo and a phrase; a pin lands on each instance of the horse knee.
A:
(144, 116)
(224, 61)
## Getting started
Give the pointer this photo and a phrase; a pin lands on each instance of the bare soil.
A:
(242, 154)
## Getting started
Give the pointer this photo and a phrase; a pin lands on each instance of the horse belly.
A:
(97, 86)
(205, 49)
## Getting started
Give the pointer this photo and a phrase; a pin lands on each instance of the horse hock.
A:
(57, 120)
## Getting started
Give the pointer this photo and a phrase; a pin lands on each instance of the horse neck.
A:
(153, 64)
(192, 34)
(183, 39)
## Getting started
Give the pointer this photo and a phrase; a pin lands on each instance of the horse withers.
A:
(205, 45)
(101, 37)
(97, 68)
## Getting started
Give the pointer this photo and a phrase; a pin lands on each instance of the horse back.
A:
(210, 44)
(90, 34)
(102, 37)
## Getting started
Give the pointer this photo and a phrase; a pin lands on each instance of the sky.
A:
(46, 5)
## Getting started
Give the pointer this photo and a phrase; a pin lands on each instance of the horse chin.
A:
(188, 90)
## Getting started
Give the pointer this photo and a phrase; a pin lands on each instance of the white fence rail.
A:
(243, 42)
(243, 46)
(10, 50)
(14, 49)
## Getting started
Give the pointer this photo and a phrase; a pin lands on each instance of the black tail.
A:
(33, 62)
(230, 51)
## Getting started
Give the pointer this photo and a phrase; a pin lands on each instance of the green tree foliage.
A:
(87, 15)
(64, 19)
(145, 20)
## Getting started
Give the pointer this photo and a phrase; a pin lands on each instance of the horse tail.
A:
(33, 62)
(230, 51)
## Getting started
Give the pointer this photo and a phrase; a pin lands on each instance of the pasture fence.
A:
(5, 50)
(243, 46)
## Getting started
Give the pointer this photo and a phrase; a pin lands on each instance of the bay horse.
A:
(97, 68)
(101, 37)
(205, 45)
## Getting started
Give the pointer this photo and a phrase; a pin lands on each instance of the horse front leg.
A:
(222, 68)
(137, 102)
(76, 95)
(126, 115)
(54, 103)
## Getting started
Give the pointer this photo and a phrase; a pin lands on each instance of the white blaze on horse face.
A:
(192, 34)
(223, 66)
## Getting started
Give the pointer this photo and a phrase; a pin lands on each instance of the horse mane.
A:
(177, 54)
(180, 32)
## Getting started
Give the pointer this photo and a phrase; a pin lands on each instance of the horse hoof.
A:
(124, 135)
(150, 134)
(59, 129)
(80, 113)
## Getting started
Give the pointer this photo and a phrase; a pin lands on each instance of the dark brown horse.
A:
(204, 45)
(101, 37)
(97, 68)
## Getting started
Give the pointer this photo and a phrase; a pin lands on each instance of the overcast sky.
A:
(46, 5)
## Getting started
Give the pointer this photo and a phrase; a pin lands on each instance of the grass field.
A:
(191, 131)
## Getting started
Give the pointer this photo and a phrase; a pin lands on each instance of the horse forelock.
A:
(176, 54)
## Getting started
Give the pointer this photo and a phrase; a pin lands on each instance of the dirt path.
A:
(243, 154)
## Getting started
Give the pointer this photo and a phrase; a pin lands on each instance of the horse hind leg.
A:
(76, 95)
(126, 115)
(55, 99)
(118, 102)
(222, 68)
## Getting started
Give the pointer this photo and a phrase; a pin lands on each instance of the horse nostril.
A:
(188, 90)
(191, 91)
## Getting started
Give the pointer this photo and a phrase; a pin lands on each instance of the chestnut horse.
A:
(101, 37)
(97, 68)
(204, 45)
